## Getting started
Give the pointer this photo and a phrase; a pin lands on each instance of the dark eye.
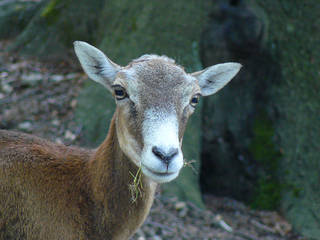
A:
(119, 92)
(194, 100)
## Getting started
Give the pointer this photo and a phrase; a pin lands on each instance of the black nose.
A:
(165, 157)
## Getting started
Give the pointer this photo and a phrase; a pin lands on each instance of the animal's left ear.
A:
(213, 78)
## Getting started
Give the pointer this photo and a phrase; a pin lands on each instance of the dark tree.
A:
(262, 132)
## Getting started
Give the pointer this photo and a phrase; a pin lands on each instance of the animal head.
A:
(154, 98)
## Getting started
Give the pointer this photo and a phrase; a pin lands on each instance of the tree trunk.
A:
(295, 35)
(15, 16)
(54, 25)
(262, 141)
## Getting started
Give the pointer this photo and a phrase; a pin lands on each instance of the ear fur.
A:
(213, 78)
(97, 66)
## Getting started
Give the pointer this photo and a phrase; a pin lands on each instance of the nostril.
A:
(165, 156)
(173, 152)
(158, 152)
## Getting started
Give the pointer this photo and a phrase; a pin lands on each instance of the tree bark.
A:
(54, 25)
(262, 141)
(294, 34)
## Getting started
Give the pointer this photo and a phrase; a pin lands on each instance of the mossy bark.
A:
(54, 25)
(263, 133)
(15, 16)
(294, 37)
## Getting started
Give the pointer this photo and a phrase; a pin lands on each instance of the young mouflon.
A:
(50, 191)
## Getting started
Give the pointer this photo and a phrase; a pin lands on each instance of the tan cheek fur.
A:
(128, 142)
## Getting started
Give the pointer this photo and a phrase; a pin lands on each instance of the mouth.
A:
(159, 176)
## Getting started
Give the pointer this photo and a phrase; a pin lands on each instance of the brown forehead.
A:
(164, 82)
(156, 81)
(159, 74)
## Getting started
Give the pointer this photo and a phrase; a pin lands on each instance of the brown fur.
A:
(50, 191)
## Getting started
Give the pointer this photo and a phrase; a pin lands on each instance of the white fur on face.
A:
(160, 129)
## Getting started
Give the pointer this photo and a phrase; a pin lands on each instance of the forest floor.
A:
(41, 98)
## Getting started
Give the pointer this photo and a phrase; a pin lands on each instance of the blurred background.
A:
(253, 148)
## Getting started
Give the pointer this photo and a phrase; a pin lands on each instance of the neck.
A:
(111, 174)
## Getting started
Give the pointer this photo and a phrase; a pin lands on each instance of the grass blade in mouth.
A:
(136, 187)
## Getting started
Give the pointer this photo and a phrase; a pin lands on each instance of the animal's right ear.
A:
(98, 67)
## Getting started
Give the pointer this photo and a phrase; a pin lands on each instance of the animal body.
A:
(51, 191)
